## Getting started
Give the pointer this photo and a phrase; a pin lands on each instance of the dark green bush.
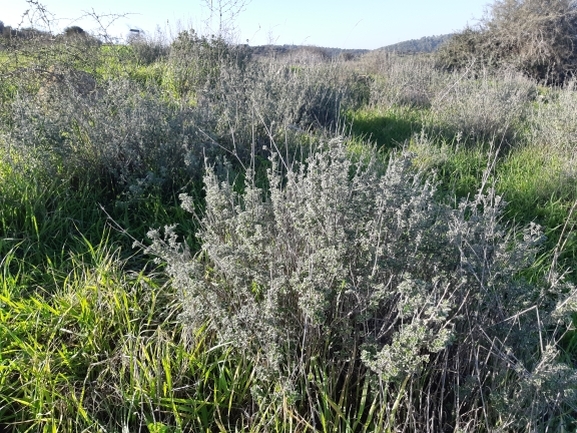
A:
(74, 31)
(463, 50)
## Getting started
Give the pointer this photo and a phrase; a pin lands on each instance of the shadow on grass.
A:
(388, 129)
(539, 191)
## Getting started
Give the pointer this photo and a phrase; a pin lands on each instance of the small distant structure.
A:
(135, 35)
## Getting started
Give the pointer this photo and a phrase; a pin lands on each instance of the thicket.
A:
(536, 37)
(344, 259)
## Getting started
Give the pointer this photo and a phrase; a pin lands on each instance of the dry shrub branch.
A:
(536, 37)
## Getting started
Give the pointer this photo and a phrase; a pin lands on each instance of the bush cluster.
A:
(406, 81)
(196, 61)
(536, 37)
(134, 137)
(249, 104)
(489, 108)
(148, 50)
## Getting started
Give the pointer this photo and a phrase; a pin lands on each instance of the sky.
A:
(360, 24)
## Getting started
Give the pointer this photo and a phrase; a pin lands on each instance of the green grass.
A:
(103, 350)
(459, 169)
(538, 188)
(387, 128)
(124, 64)
(85, 342)
(90, 333)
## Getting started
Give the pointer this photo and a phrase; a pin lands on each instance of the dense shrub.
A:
(74, 31)
(552, 135)
(536, 37)
(246, 98)
(127, 135)
(464, 51)
(487, 108)
(148, 50)
(338, 266)
(265, 103)
(120, 134)
(268, 96)
(406, 81)
(554, 122)
(196, 61)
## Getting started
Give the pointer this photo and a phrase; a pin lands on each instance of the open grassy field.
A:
(202, 240)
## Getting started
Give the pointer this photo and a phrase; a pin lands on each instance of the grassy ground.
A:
(91, 334)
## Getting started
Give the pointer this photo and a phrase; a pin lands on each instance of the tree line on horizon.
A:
(426, 44)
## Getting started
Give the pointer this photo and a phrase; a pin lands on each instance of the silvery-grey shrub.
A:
(341, 262)
(268, 102)
(253, 103)
(484, 108)
(552, 137)
(407, 81)
(195, 62)
(136, 136)
(553, 122)
(121, 134)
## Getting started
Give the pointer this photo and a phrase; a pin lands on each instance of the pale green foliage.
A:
(196, 62)
(148, 50)
(262, 101)
(335, 257)
(554, 127)
(480, 105)
(245, 103)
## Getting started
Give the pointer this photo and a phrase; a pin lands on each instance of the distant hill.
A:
(321, 52)
(427, 44)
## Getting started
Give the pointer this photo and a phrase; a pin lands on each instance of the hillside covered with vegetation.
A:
(195, 237)
(426, 44)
